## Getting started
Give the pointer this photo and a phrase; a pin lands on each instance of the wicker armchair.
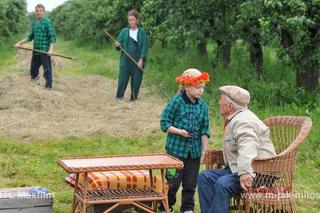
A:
(272, 187)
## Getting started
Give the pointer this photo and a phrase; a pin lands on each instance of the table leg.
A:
(74, 201)
(165, 192)
(152, 187)
(85, 185)
(151, 178)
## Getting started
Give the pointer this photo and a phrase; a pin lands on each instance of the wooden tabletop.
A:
(119, 162)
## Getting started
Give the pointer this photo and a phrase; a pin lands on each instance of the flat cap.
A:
(236, 94)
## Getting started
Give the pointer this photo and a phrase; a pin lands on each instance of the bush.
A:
(13, 18)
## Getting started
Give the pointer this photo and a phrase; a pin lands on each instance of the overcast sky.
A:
(48, 4)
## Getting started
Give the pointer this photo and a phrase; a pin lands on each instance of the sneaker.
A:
(189, 211)
(133, 99)
(35, 81)
(119, 100)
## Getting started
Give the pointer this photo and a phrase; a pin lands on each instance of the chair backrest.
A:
(287, 132)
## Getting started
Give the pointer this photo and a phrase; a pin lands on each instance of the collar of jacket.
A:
(187, 100)
(230, 117)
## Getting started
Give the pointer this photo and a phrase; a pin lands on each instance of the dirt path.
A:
(77, 106)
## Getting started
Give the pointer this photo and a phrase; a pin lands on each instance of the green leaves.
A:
(78, 18)
(12, 17)
(293, 26)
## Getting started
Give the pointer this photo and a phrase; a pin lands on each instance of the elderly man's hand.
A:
(246, 181)
(203, 156)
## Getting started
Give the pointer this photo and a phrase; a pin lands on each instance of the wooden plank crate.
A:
(19, 200)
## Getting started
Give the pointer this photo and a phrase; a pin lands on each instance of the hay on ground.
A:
(76, 106)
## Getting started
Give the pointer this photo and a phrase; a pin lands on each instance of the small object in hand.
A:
(190, 134)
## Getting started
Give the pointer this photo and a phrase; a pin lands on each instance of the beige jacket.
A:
(246, 137)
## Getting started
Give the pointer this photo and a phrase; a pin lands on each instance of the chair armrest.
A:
(274, 174)
(278, 163)
(214, 159)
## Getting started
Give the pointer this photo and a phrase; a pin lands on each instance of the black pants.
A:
(188, 177)
(45, 61)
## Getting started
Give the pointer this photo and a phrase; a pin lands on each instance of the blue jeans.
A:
(215, 188)
(45, 61)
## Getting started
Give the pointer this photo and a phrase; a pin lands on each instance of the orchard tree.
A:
(297, 24)
(12, 17)
(222, 16)
(170, 22)
(80, 19)
(248, 26)
(193, 22)
(67, 18)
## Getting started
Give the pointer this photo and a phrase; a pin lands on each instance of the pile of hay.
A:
(76, 106)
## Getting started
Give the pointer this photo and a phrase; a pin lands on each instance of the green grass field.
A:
(35, 163)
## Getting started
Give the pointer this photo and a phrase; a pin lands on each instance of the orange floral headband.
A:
(187, 79)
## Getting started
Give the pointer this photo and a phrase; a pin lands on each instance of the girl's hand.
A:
(116, 44)
(140, 63)
(185, 134)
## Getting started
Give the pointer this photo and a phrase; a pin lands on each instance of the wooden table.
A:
(119, 197)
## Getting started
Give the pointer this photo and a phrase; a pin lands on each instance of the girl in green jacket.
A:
(134, 40)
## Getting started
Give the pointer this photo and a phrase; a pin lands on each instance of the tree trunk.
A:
(224, 53)
(307, 74)
(180, 46)
(256, 57)
(164, 44)
(308, 79)
(202, 48)
(286, 39)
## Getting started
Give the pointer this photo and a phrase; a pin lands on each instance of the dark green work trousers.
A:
(128, 69)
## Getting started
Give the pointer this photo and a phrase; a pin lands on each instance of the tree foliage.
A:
(12, 17)
(190, 22)
(294, 25)
(78, 18)
(297, 25)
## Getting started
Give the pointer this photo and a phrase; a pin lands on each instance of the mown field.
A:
(34, 163)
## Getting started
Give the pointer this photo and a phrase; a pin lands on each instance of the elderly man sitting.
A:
(245, 138)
